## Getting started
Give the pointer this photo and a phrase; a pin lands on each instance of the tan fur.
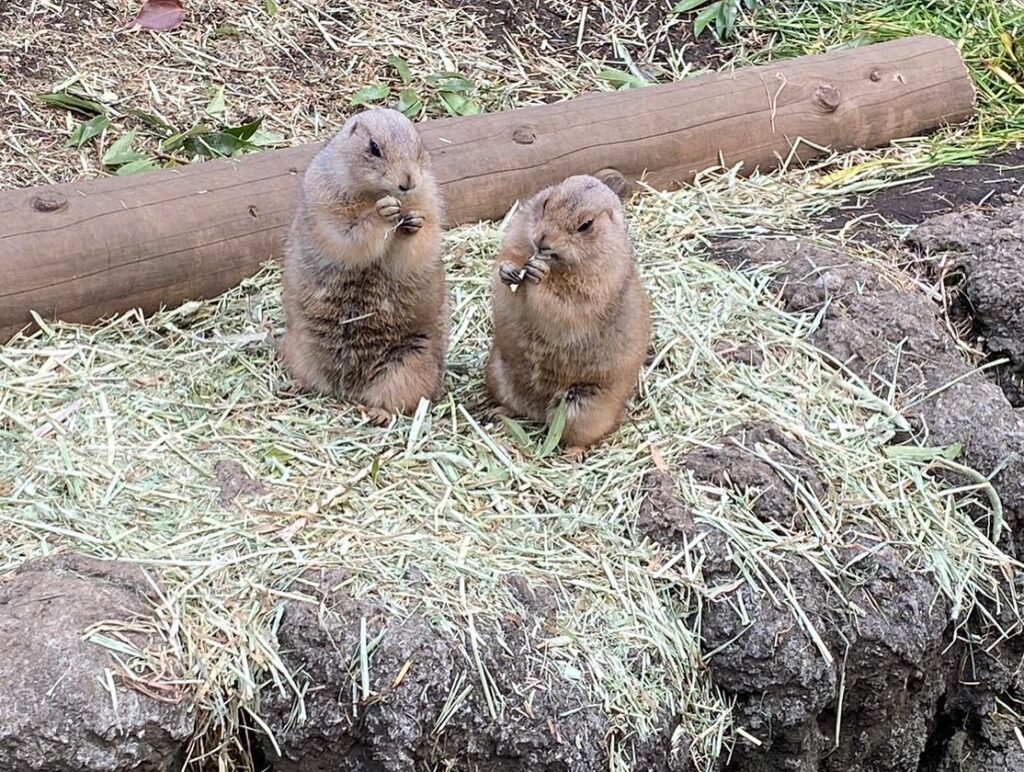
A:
(579, 326)
(364, 291)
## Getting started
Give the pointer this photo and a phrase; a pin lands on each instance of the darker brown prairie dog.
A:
(578, 325)
(364, 291)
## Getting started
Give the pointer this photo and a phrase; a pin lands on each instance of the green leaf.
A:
(178, 140)
(73, 103)
(88, 130)
(914, 453)
(517, 431)
(264, 138)
(375, 469)
(270, 6)
(225, 31)
(370, 95)
(687, 5)
(135, 167)
(154, 121)
(217, 105)
(245, 131)
(121, 152)
(750, 4)
(621, 80)
(704, 18)
(280, 455)
(451, 81)
(218, 144)
(730, 10)
(555, 429)
(409, 103)
(456, 104)
(402, 67)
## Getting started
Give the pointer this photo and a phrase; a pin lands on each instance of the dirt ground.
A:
(993, 181)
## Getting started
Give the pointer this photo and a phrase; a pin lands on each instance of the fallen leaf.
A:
(659, 459)
(73, 103)
(137, 167)
(161, 15)
(88, 130)
(370, 95)
(121, 152)
(288, 533)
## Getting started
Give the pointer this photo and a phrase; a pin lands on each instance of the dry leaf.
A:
(659, 459)
(161, 15)
(288, 533)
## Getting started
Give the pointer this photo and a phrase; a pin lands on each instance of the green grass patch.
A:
(987, 32)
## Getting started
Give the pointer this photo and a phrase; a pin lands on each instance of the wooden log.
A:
(93, 249)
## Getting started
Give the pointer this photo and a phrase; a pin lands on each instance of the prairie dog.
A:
(578, 324)
(364, 291)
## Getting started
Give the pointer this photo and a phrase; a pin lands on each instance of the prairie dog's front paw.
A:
(411, 222)
(389, 208)
(510, 273)
(536, 271)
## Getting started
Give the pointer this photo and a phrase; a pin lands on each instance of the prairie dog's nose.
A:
(542, 242)
(408, 184)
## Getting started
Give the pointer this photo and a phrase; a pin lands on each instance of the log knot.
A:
(827, 98)
(49, 202)
(615, 180)
(524, 135)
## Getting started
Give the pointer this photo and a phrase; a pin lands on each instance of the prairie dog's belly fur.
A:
(548, 360)
(361, 320)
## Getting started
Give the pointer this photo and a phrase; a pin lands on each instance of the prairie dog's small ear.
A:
(353, 128)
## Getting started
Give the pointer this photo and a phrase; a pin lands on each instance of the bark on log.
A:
(93, 249)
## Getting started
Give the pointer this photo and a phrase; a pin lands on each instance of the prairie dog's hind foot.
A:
(494, 413)
(575, 454)
(593, 414)
(377, 416)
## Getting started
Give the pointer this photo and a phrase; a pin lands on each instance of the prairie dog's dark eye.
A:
(374, 149)
(585, 227)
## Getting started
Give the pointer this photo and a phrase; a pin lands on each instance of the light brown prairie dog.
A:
(578, 324)
(364, 290)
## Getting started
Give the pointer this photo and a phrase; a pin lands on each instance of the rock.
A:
(988, 247)
(55, 713)
(422, 720)
(889, 334)
(885, 633)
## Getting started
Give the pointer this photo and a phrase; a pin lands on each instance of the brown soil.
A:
(993, 181)
(507, 23)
